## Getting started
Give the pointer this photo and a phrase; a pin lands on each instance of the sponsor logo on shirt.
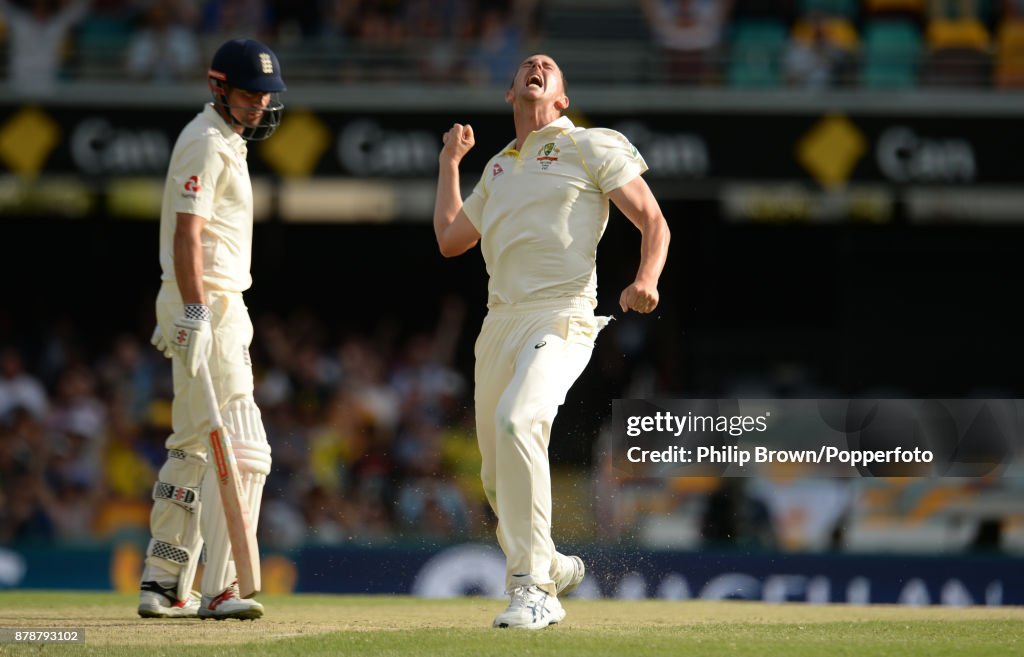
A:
(192, 187)
(496, 170)
(547, 154)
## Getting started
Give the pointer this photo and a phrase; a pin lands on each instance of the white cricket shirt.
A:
(542, 211)
(208, 176)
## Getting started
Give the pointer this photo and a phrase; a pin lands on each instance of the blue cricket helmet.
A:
(249, 65)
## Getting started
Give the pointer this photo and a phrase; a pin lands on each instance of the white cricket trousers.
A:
(230, 366)
(179, 533)
(528, 355)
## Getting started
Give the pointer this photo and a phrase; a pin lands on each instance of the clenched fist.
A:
(457, 142)
(639, 296)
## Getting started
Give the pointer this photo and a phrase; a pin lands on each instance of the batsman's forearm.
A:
(449, 197)
(654, 241)
(188, 267)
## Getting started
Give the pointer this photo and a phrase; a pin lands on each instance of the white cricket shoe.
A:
(530, 609)
(156, 601)
(229, 605)
(571, 573)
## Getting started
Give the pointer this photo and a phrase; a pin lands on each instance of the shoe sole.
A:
(250, 614)
(582, 570)
(506, 626)
(153, 613)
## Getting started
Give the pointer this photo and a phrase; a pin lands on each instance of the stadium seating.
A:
(958, 53)
(840, 31)
(1009, 57)
(891, 53)
(892, 9)
(565, 19)
(896, 44)
(847, 9)
(101, 42)
(599, 42)
(957, 33)
(756, 53)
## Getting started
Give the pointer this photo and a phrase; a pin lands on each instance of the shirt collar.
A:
(561, 124)
(214, 117)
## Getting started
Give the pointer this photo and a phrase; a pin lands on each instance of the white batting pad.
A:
(174, 521)
(252, 454)
(252, 451)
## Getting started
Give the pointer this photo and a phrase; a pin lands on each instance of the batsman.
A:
(206, 227)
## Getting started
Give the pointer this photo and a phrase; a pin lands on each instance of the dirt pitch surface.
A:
(112, 627)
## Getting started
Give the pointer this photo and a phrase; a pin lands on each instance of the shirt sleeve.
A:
(195, 173)
(610, 158)
(473, 206)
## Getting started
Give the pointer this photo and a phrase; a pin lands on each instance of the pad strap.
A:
(173, 553)
(183, 496)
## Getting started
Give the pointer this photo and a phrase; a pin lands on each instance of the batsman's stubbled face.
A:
(247, 106)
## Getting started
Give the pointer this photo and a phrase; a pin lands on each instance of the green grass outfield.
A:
(307, 625)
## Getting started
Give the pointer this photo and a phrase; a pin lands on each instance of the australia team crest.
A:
(548, 154)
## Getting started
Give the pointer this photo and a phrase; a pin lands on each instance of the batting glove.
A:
(160, 342)
(193, 338)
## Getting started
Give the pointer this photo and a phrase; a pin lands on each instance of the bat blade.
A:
(241, 529)
(244, 548)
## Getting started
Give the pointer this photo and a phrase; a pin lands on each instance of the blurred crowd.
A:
(469, 41)
(810, 44)
(373, 442)
(371, 434)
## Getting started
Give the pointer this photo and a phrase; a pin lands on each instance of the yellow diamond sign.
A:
(297, 145)
(26, 140)
(831, 149)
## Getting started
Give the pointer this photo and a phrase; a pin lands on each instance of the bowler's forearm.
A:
(449, 198)
(654, 240)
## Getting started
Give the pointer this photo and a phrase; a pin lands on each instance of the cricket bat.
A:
(241, 530)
